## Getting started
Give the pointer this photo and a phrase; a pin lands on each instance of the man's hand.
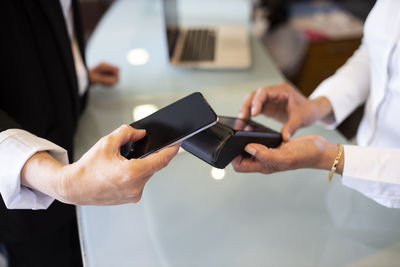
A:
(101, 177)
(104, 73)
(285, 104)
(309, 151)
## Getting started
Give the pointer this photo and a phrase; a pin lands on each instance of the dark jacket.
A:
(38, 93)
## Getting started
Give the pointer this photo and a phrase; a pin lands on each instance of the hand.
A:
(309, 151)
(285, 104)
(104, 73)
(102, 176)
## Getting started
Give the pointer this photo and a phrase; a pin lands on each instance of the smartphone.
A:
(171, 125)
(248, 126)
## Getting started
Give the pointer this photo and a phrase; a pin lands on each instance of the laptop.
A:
(208, 47)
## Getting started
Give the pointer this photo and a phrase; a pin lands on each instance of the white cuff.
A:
(16, 147)
(373, 172)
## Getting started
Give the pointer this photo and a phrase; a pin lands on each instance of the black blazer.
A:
(38, 93)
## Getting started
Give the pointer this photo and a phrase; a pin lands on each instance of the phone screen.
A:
(244, 125)
(170, 125)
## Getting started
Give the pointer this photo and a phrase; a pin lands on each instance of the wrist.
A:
(67, 183)
(322, 155)
(43, 173)
(328, 157)
(322, 107)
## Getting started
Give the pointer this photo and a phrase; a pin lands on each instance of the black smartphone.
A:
(170, 125)
(247, 126)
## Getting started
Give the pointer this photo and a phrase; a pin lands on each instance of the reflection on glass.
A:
(141, 111)
(217, 174)
(137, 56)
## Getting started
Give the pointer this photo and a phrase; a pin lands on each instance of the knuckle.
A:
(288, 161)
(134, 192)
(236, 166)
(137, 195)
(126, 127)
(286, 87)
(126, 178)
(108, 139)
(104, 141)
(162, 162)
(260, 91)
(134, 199)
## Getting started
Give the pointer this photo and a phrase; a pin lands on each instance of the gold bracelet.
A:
(335, 162)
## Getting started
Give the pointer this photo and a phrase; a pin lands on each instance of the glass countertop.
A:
(187, 217)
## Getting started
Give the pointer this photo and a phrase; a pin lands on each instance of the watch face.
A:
(244, 125)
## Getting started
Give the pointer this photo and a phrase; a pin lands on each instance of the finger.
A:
(236, 162)
(244, 164)
(291, 126)
(124, 134)
(239, 124)
(261, 152)
(157, 161)
(283, 97)
(106, 79)
(258, 101)
(245, 110)
(108, 68)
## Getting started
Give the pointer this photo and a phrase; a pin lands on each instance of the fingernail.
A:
(240, 115)
(253, 111)
(251, 150)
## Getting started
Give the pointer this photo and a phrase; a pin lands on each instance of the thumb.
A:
(260, 152)
(124, 134)
(158, 160)
(291, 126)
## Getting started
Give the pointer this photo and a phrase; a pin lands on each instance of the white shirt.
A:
(372, 75)
(17, 146)
(81, 72)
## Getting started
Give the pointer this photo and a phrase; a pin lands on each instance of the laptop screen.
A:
(171, 18)
(170, 10)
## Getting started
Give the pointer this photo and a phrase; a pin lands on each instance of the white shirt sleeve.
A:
(373, 172)
(16, 147)
(347, 88)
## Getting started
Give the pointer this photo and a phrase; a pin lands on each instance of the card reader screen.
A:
(244, 125)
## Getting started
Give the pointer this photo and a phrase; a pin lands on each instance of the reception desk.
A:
(192, 215)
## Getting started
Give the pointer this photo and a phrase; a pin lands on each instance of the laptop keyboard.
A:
(199, 45)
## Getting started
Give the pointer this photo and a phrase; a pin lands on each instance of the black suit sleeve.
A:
(6, 122)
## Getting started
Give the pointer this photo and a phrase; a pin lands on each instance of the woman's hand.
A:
(101, 177)
(310, 151)
(285, 104)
